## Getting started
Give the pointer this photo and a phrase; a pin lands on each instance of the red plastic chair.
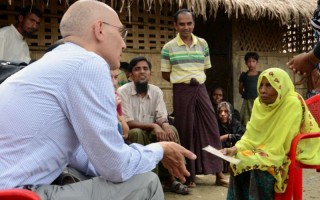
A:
(294, 188)
(18, 194)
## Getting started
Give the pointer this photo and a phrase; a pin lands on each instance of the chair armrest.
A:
(296, 140)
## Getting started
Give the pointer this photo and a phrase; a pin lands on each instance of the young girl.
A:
(247, 86)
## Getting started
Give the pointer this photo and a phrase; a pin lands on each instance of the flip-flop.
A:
(177, 187)
(222, 182)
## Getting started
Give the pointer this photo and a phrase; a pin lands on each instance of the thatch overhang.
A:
(286, 11)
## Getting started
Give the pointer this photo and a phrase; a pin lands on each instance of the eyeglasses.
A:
(122, 30)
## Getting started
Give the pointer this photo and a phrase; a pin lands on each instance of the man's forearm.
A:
(144, 126)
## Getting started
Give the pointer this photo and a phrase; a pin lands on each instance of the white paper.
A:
(216, 152)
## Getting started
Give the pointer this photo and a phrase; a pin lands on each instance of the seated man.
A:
(146, 114)
(61, 110)
(13, 46)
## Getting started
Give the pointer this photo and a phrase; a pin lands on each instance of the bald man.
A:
(61, 111)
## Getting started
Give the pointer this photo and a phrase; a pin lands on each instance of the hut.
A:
(276, 29)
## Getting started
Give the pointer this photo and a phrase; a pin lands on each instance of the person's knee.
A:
(136, 132)
(175, 134)
(139, 136)
(153, 180)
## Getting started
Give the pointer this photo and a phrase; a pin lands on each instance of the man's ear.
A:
(175, 25)
(97, 30)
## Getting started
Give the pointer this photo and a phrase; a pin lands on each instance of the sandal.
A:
(222, 182)
(176, 187)
(191, 184)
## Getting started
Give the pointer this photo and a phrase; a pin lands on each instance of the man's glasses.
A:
(123, 31)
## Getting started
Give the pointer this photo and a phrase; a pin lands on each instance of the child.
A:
(122, 126)
(248, 86)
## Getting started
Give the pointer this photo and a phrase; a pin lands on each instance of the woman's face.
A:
(268, 94)
(223, 115)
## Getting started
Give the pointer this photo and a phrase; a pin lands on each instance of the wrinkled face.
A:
(267, 93)
(184, 25)
(217, 96)
(252, 64)
(223, 114)
(114, 78)
(141, 72)
(113, 44)
(30, 23)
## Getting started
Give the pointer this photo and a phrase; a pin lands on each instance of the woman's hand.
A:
(224, 137)
(229, 151)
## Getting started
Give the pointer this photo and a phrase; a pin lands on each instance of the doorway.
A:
(217, 32)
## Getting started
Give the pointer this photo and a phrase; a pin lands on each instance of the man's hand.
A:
(194, 82)
(303, 63)
(171, 135)
(160, 133)
(173, 159)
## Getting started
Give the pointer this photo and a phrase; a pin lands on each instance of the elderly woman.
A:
(231, 130)
(278, 115)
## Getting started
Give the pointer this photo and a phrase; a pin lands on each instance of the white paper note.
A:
(216, 152)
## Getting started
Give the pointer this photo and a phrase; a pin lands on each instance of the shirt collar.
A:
(180, 41)
(17, 32)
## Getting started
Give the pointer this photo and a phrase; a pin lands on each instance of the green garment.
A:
(122, 78)
(137, 135)
(272, 127)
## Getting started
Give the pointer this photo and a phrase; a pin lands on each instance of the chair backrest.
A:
(313, 104)
(18, 194)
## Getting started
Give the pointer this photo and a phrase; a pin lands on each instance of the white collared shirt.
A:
(12, 46)
(149, 109)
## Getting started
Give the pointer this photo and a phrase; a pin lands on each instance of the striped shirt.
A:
(184, 62)
(61, 110)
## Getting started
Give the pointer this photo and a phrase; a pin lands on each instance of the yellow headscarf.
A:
(272, 127)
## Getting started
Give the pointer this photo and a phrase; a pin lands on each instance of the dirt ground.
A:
(206, 189)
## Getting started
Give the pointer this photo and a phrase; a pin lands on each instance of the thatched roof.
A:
(283, 10)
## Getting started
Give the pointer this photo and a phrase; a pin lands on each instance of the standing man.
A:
(145, 112)
(13, 46)
(183, 63)
(61, 110)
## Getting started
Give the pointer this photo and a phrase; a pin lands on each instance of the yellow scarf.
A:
(272, 127)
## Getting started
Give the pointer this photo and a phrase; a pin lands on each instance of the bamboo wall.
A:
(275, 44)
(266, 60)
(149, 30)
